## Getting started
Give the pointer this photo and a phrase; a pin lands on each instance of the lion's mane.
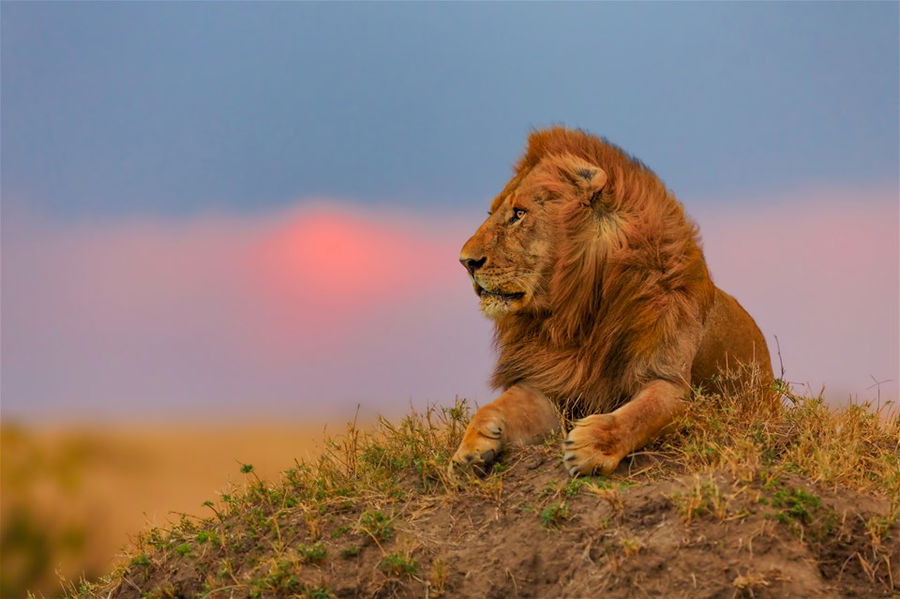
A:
(629, 290)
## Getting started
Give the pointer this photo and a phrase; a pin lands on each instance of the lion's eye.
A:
(518, 214)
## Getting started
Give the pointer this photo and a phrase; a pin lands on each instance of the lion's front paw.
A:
(481, 444)
(595, 444)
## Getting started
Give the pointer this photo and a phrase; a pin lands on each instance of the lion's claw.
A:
(481, 444)
(488, 456)
(471, 458)
(595, 444)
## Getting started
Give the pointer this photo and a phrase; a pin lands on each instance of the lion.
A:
(602, 303)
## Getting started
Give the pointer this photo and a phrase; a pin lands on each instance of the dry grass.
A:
(368, 489)
(743, 432)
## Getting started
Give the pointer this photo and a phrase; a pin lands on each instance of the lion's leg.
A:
(599, 442)
(521, 415)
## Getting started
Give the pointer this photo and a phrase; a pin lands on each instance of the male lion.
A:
(602, 305)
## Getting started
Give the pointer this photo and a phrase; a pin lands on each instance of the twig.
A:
(780, 360)
(877, 384)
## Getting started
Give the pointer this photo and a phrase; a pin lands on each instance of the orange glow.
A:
(335, 259)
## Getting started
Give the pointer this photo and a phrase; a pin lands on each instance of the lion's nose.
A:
(472, 264)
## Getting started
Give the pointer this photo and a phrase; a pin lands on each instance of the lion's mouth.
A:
(498, 294)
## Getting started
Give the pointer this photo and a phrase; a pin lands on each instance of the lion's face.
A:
(512, 256)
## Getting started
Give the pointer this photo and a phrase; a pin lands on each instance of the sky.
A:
(255, 209)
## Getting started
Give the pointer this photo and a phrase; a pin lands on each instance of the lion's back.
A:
(731, 340)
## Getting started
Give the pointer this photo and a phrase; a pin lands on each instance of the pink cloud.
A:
(315, 309)
(306, 310)
(821, 270)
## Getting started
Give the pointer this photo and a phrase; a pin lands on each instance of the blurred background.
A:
(226, 228)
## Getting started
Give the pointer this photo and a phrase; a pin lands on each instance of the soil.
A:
(534, 534)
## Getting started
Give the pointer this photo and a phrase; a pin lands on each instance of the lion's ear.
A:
(588, 178)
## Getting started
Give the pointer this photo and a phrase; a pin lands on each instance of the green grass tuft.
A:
(399, 565)
(312, 554)
(553, 515)
(377, 525)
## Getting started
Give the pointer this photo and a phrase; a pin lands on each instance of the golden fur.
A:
(602, 303)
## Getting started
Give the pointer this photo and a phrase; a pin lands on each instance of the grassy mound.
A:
(738, 502)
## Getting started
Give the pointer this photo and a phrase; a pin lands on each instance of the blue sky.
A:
(113, 109)
(162, 255)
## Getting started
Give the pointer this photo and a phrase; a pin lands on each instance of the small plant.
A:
(183, 549)
(878, 528)
(141, 560)
(550, 489)
(208, 536)
(225, 568)
(351, 551)
(246, 468)
(499, 467)
(574, 487)
(155, 538)
(377, 525)
(796, 505)
(312, 554)
(630, 546)
(749, 581)
(438, 576)
(704, 497)
(553, 515)
(399, 565)
(280, 577)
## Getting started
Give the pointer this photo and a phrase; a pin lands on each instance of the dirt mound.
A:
(727, 508)
(532, 532)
